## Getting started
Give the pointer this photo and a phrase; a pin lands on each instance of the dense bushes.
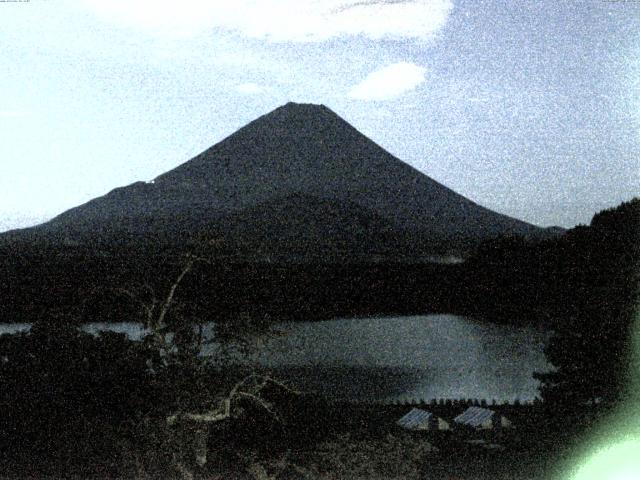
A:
(65, 392)
(592, 344)
(584, 286)
(77, 404)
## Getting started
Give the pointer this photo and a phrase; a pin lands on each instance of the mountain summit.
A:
(298, 153)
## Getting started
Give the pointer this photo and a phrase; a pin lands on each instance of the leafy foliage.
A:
(582, 285)
(61, 385)
(591, 347)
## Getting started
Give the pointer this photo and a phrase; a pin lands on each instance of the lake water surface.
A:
(402, 358)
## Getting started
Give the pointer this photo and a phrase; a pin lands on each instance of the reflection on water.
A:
(431, 356)
(420, 357)
(366, 384)
(14, 328)
(134, 331)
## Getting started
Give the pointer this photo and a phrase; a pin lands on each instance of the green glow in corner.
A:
(619, 461)
(615, 451)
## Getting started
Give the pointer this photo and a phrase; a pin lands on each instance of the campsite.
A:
(319, 239)
(367, 441)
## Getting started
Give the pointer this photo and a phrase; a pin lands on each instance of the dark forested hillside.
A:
(512, 279)
(84, 284)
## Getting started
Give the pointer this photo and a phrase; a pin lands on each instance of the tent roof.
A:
(414, 418)
(474, 416)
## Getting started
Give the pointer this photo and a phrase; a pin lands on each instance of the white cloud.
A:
(13, 113)
(250, 88)
(389, 82)
(283, 20)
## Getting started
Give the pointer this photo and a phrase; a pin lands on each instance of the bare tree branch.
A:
(262, 403)
(166, 305)
(224, 412)
(149, 310)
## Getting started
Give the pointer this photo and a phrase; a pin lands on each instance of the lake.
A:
(398, 358)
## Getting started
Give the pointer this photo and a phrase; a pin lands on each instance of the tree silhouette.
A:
(590, 348)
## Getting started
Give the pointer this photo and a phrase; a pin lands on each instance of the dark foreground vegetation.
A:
(77, 405)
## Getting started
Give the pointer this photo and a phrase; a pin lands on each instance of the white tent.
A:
(418, 419)
(482, 419)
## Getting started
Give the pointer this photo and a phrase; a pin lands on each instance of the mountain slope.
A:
(297, 149)
(301, 227)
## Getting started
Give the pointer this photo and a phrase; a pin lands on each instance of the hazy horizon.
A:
(530, 109)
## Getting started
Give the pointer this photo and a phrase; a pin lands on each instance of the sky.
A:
(530, 108)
